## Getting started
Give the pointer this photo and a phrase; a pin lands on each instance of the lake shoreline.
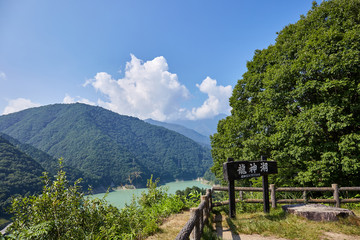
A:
(120, 197)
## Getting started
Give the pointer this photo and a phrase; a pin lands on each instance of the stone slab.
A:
(318, 212)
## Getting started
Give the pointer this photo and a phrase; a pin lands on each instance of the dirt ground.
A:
(172, 226)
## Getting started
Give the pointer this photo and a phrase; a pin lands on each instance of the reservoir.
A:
(119, 197)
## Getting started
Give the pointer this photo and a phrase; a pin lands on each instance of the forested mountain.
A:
(187, 132)
(49, 163)
(19, 173)
(112, 149)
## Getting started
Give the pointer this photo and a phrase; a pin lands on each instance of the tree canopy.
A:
(19, 174)
(298, 103)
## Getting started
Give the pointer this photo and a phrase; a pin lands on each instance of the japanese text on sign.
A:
(246, 169)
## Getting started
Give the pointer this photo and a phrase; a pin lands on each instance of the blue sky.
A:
(146, 58)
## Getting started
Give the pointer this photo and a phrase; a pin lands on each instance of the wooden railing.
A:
(334, 188)
(198, 218)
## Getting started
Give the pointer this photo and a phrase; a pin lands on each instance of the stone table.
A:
(318, 212)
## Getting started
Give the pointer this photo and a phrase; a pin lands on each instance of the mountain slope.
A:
(192, 134)
(113, 149)
(19, 173)
(205, 127)
(49, 163)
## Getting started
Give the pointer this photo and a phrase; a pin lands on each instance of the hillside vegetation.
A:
(47, 162)
(111, 149)
(62, 211)
(298, 102)
(19, 174)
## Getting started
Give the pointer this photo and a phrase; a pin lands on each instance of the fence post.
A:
(209, 193)
(336, 194)
(195, 234)
(265, 183)
(305, 197)
(273, 195)
(204, 212)
(241, 195)
(231, 191)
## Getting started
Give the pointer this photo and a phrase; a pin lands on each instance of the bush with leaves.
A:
(63, 212)
(191, 196)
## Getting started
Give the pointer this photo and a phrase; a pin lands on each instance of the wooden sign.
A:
(245, 169)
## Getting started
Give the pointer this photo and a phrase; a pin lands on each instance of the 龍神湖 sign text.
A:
(247, 169)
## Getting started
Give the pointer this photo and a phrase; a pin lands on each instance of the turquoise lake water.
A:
(118, 198)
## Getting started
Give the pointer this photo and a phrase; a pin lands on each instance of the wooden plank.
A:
(350, 200)
(301, 189)
(245, 189)
(290, 200)
(349, 189)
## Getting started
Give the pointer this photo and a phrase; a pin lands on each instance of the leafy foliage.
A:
(298, 102)
(19, 174)
(62, 212)
(191, 196)
(106, 146)
(210, 176)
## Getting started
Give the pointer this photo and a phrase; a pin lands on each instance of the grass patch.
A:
(279, 224)
(209, 233)
(3, 221)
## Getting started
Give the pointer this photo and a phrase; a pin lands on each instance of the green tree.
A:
(298, 103)
(62, 211)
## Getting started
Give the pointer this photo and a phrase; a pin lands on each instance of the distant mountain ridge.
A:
(110, 148)
(205, 127)
(187, 132)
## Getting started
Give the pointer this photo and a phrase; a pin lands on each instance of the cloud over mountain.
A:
(68, 99)
(19, 104)
(217, 101)
(149, 90)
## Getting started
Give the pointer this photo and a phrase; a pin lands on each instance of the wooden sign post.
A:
(247, 169)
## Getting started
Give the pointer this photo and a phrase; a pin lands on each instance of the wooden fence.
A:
(194, 227)
(198, 218)
(305, 190)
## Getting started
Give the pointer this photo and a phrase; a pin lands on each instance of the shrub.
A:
(63, 212)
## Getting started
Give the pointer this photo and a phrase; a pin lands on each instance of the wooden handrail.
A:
(334, 188)
(194, 227)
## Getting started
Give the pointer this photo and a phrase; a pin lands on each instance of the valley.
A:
(103, 148)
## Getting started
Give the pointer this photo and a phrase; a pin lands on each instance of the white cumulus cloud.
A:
(19, 104)
(217, 101)
(68, 99)
(149, 90)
